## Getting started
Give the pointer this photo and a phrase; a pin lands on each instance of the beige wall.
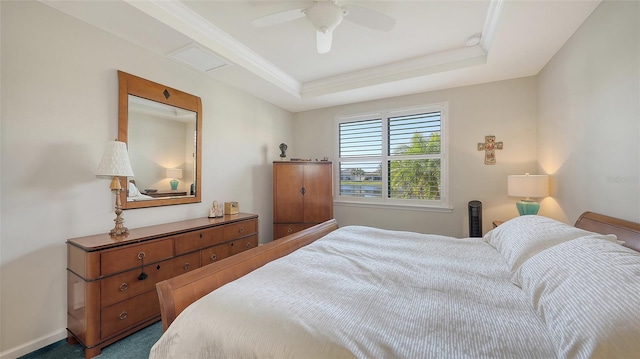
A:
(506, 109)
(589, 117)
(578, 120)
(59, 108)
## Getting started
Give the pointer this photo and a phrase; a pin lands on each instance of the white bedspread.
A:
(367, 293)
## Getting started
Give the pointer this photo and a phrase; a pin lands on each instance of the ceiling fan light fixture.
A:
(323, 41)
(325, 16)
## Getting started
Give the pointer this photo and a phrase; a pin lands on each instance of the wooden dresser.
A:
(111, 282)
(302, 195)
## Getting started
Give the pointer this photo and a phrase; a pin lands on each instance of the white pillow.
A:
(523, 237)
(133, 190)
(587, 292)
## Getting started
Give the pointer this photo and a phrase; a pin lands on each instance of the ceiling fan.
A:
(326, 15)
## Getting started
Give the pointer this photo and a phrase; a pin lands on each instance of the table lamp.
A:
(174, 174)
(115, 164)
(528, 186)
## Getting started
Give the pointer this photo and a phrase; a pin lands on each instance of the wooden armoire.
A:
(302, 195)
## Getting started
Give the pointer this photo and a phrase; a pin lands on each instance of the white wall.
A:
(506, 109)
(59, 108)
(589, 117)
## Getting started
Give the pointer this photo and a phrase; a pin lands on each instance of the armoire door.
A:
(318, 202)
(287, 186)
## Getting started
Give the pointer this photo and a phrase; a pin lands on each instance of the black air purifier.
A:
(475, 219)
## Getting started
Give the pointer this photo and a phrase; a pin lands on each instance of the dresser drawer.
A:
(126, 285)
(129, 257)
(215, 253)
(236, 230)
(242, 244)
(123, 315)
(193, 241)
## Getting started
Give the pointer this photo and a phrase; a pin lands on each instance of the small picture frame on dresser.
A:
(215, 211)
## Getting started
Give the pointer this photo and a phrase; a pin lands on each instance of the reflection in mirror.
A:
(161, 126)
(162, 148)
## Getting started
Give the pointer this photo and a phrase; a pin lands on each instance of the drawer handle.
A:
(123, 315)
(289, 230)
(200, 235)
(123, 287)
(248, 244)
(241, 229)
(142, 275)
(214, 257)
(186, 266)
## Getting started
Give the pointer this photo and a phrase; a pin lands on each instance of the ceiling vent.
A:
(198, 58)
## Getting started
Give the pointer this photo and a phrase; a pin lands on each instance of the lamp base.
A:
(527, 207)
(119, 229)
(115, 232)
(174, 184)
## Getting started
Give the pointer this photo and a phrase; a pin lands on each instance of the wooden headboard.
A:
(626, 231)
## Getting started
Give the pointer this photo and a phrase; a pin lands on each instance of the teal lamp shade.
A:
(528, 186)
(174, 174)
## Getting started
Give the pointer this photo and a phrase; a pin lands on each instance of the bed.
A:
(531, 288)
(134, 194)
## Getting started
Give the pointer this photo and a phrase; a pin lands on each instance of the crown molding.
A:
(401, 70)
(491, 23)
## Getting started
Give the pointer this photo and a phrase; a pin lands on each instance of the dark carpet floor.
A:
(135, 346)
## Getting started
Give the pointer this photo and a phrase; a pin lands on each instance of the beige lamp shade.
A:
(174, 173)
(115, 161)
(114, 164)
(528, 186)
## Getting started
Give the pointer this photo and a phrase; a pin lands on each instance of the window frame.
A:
(441, 205)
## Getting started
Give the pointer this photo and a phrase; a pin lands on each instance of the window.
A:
(393, 158)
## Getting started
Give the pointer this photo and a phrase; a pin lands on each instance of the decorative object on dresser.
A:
(111, 281)
(215, 211)
(302, 195)
(174, 174)
(231, 208)
(115, 164)
(528, 186)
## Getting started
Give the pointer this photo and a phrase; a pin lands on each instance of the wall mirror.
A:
(162, 127)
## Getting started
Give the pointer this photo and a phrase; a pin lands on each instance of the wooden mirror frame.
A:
(132, 85)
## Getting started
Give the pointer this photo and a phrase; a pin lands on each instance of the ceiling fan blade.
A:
(278, 18)
(323, 40)
(369, 18)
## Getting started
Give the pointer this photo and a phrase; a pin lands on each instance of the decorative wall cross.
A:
(489, 147)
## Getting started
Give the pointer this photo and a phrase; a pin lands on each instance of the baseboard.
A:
(34, 345)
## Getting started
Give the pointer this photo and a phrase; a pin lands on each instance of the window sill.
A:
(402, 207)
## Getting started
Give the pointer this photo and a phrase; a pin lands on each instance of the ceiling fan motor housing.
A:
(325, 15)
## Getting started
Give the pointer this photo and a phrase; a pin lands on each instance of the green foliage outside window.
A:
(416, 178)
